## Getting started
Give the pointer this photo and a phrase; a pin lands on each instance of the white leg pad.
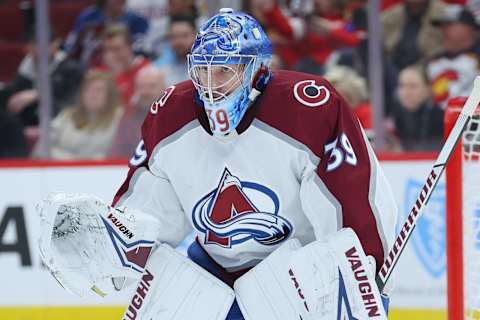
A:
(175, 288)
(264, 292)
(324, 280)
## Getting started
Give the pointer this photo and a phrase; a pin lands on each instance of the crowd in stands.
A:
(110, 59)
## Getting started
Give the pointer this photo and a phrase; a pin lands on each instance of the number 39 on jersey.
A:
(339, 151)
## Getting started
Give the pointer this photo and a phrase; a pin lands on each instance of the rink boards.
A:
(29, 292)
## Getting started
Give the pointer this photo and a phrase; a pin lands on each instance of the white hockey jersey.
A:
(300, 166)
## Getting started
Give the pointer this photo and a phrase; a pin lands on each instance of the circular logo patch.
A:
(309, 94)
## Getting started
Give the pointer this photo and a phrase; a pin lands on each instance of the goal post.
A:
(463, 217)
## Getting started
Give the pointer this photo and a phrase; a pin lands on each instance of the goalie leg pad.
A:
(175, 288)
(323, 281)
(265, 291)
(198, 255)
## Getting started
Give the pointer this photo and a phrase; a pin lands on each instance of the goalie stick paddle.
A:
(433, 177)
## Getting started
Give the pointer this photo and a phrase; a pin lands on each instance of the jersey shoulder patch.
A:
(310, 93)
(303, 106)
(302, 89)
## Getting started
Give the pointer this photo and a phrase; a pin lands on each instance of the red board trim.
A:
(22, 163)
(432, 156)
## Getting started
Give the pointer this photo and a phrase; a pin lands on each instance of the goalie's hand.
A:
(86, 244)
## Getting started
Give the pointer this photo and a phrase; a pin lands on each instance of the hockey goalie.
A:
(292, 213)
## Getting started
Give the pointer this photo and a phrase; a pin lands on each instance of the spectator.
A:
(277, 62)
(358, 57)
(12, 139)
(312, 43)
(159, 13)
(452, 72)
(152, 10)
(174, 62)
(474, 7)
(408, 35)
(21, 96)
(279, 21)
(149, 84)
(120, 60)
(419, 123)
(83, 42)
(353, 89)
(86, 130)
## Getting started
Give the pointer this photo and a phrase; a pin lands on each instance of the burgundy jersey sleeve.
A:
(342, 184)
(350, 171)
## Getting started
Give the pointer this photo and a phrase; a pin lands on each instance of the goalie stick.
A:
(433, 177)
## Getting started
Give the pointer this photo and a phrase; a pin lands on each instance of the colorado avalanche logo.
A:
(228, 217)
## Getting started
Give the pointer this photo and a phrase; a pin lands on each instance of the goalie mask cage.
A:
(463, 217)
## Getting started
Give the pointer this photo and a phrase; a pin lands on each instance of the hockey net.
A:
(463, 218)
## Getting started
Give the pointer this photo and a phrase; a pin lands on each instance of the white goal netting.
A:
(471, 218)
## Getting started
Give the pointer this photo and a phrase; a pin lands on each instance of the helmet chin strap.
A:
(260, 81)
(253, 94)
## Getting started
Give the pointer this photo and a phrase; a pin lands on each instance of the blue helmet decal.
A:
(232, 32)
(219, 35)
